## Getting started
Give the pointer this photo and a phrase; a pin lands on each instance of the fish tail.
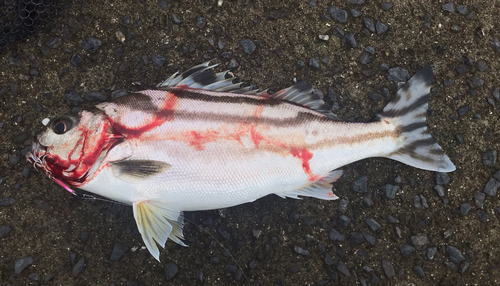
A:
(407, 112)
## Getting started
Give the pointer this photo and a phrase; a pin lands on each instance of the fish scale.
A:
(200, 141)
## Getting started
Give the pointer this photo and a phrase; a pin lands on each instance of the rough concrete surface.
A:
(49, 237)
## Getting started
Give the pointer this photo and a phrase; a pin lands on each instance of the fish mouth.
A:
(37, 154)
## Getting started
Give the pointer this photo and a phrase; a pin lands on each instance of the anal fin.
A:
(321, 189)
(156, 223)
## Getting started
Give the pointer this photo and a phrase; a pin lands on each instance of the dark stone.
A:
(328, 260)
(364, 59)
(448, 82)
(323, 282)
(481, 65)
(495, 45)
(351, 40)
(252, 263)
(491, 187)
(95, 96)
(278, 14)
(335, 235)
(390, 191)
(355, 13)
(441, 178)
(201, 22)
(490, 158)
(78, 267)
(419, 241)
(440, 190)
(26, 172)
(391, 219)
(22, 263)
(344, 220)
(419, 271)
(482, 215)
(170, 270)
(398, 74)
(386, 6)
(490, 101)
(368, 23)
(431, 251)
(455, 255)
(367, 202)
(175, 19)
(118, 251)
(360, 185)
(300, 250)
(388, 268)
(126, 20)
(373, 224)
(462, 9)
(370, 238)
(337, 14)
(46, 207)
(407, 250)
(381, 27)
(420, 202)
(230, 269)
(356, 238)
(14, 159)
(158, 60)
(497, 176)
(199, 275)
(84, 236)
(163, 4)
(73, 99)
(232, 64)
(293, 270)
(6, 202)
(76, 60)
(465, 208)
(248, 46)
(459, 138)
(4, 230)
(21, 138)
(461, 69)
(355, 2)
(449, 7)
(343, 269)
(370, 50)
(91, 44)
(118, 93)
(15, 61)
(25, 150)
(226, 55)
(314, 63)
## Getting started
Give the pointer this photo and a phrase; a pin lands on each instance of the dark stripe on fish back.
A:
(400, 112)
(136, 100)
(230, 98)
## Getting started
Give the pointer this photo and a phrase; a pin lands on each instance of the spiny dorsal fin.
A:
(200, 77)
(157, 222)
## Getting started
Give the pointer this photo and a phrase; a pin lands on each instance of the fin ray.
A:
(321, 189)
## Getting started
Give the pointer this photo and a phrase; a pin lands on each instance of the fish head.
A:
(72, 146)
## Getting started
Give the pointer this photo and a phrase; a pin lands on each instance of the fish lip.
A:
(37, 153)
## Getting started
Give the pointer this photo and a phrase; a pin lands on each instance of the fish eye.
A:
(61, 126)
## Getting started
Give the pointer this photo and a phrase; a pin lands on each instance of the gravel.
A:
(364, 59)
(441, 178)
(419, 271)
(465, 208)
(158, 60)
(407, 250)
(491, 187)
(78, 267)
(314, 63)
(390, 191)
(448, 7)
(175, 19)
(5, 202)
(300, 250)
(342, 268)
(248, 46)
(419, 241)
(14, 159)
(373, 224)
(22, 263)
(91, 44)
(386, 6)
(360, 185)
(388, 268)
(380, 27)
(398, 75)
(337, 14)
(342, 205)
(4, 230)
(170, 270)
(118, 251)
(454, 254)
(356, 238)
(351, 40)
(76, 60)
(95, 96)
(439, 190)
(490, 158)
(368, 23)
(335, 235)
(431, 251)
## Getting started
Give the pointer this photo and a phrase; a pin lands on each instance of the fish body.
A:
(199, 141)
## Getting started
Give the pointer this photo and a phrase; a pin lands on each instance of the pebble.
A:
(370, 50)
(199, 275)
(420, 202)
(248, 46)
(300, 64)
(367, 202)
(462, 9)
(373, 224)
(214, 259)
(22, 263)
(4, 230)
(368, 23)
(391, 219)
(252, 263)
(91, 44)
(386, 6)
(78, 267)
(497, 176)
(370, 238)
(201, 22)
(337, 14)
(355, 13)
(344, 220)
(76, 60)
(95, 96)
(388, 268)
(398, 74)
(455, 255)
(459, 138)
(360, 185)
(158, 60)
(323, 282)
(441, 178)
(364, 59)
(407, 250)
(481, 66)
(491, 187)
(356, 238)
(328, 259)
(449, 7)
(440, 190)
(335, 235)
(170, 270)
(46, 207)
(175, 19)
(232, 64)
(343, 269)
(84, 236)
(14, 159)
(448, 82)
(300, 251)
(73, 99)
(118, 93)
(230, 269)
(163, 4)
(15, 61)
(381, 27)
(464, 266)
(398, 231)
(324, 37)
(293, 269)
(495, 45)
(490, 101)
(390, 191)
(356, 2)
(419, 241)
(420, 272)
(26, 172)
(431, 251)
(490, 158)
(482, 215)
(314, 63)
(351, 40)
(465, 208)
(5, 202)
(118, 251)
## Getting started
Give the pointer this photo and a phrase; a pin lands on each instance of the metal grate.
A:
(19, 19)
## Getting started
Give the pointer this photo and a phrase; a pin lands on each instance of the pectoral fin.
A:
(321, 189)
(156, 223)
(135, 170)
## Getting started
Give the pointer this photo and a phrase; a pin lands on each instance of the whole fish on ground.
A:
(199, 141)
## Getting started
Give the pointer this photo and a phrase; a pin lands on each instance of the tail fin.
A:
(408, 112)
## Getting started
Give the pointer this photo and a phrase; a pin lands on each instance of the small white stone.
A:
(324, 37)
(120, 36)
(45, 121)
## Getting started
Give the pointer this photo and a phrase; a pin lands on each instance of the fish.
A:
(200, 140)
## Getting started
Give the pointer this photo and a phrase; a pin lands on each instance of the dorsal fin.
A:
(200, 77)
